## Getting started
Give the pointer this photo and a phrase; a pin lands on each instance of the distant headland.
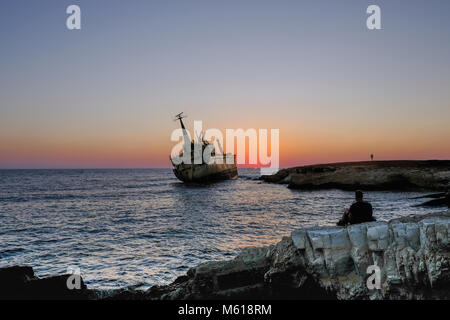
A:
(368, 175)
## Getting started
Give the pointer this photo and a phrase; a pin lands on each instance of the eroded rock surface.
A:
(331, 262)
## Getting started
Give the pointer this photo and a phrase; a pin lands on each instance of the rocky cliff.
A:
(313, 263)
(331, 263)
(373, 175)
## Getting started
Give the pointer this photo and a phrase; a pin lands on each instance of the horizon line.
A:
(244, 167)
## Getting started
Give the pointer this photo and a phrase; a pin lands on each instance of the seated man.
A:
(359, 212)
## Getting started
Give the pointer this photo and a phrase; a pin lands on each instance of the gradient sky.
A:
(104, 96)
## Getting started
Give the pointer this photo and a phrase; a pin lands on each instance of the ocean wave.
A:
(11, 252)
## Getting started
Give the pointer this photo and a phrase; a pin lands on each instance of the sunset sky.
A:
(104, 96)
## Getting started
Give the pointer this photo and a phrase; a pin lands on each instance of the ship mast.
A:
(180, 117)
(186, 138)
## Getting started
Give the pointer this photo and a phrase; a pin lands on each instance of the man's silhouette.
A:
(359, 212)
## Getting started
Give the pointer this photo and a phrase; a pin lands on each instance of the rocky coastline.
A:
(370, 175)
(313, 263)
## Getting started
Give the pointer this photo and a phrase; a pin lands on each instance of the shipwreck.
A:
(190, 166)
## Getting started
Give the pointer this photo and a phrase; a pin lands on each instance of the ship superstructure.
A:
(193, 168)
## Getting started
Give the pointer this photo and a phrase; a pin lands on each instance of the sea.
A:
(141, 227)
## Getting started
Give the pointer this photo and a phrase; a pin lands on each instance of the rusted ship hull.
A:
(205, 172)
(217, 167)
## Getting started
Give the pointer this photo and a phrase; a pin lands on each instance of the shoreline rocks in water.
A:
(439, 199)
(313, 263)
(369, 175)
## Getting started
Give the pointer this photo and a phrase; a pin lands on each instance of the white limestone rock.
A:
(412, 254)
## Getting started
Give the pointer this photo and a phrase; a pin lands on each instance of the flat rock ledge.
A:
(313, 263)
(373, 175)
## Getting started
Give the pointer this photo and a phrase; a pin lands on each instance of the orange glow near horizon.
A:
(298, 146)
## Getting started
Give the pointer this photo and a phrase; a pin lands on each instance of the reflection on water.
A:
(124, 227)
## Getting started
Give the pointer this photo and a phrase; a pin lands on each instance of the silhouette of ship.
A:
(223, 166)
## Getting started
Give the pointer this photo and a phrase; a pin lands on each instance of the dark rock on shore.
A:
(372, 175)
(431, 196)
(13, 281)
(435, 203)
(20, 283)
(439, 199)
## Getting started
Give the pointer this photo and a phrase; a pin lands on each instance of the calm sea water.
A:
(128, 227)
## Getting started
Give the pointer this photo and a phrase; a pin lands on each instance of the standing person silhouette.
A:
(371, 157)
